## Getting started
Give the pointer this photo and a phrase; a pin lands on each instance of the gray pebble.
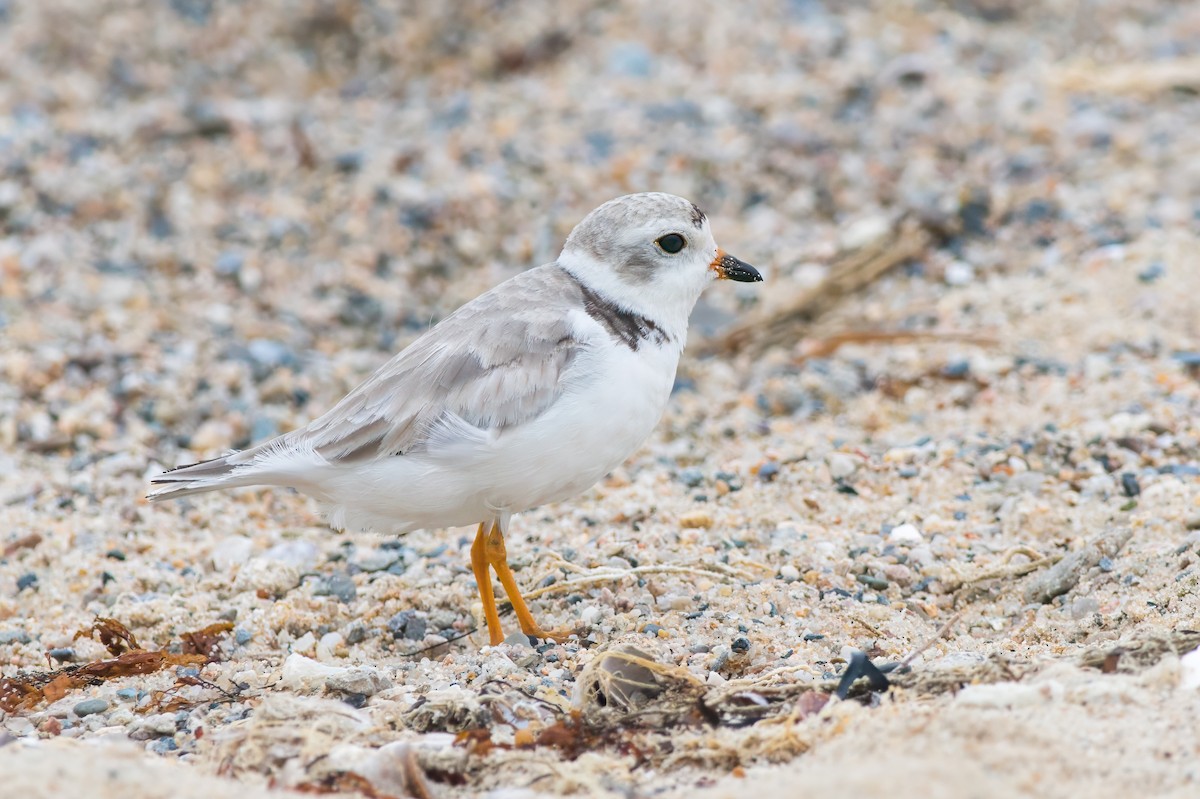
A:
(348, 162)
(1152, 273)
(356, 633)
(242, 636)
(691, 477)
(339, 585)
(14, 637)
(630, 59)
(407, 624)
(876, 583)
(956, 370)
(376, 560)
(229, 263)
(262, 428)
(27, 580)
(90, 707)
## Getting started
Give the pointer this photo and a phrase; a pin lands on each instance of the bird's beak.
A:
(729, 268)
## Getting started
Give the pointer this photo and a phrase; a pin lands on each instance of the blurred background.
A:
(214, 213)
(976, 350)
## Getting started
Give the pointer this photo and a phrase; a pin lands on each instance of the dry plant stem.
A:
(849, 273)
(1007, 571)
(1066, 574)
(827, 346)
(941, 633)
(612, 575)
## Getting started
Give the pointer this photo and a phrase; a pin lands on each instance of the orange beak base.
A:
(729, 268)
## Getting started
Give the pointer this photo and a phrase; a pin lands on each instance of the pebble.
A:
(14, 637)
(360, 680)
(19, 726)
(842, 465)
(229, 263)
(959, 273)
(1008, 695)
(340, 585)
(517, 639)
(789, 573)
(89, 707)
(356, 633)
(268, 355)
(157, 725)
(956, 370)
(304, 673)
(768, 471)
(905, 534)
(230, 552)
(407, 624)
(1152, 272)
(691, 477)
(300, 553)
(630, 59)
(872, 582)
(267, 576)
(376, 560)
(27, 580)
(696, 519)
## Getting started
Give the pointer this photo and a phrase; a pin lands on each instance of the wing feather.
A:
(497, 362)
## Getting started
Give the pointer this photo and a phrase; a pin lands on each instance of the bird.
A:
(526, 395)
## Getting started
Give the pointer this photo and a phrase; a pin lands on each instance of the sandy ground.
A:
(216, 218)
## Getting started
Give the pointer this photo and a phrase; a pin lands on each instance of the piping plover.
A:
(528, 394)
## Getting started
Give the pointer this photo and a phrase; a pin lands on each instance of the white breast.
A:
(614, 397)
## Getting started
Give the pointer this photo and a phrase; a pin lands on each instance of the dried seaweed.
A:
(206, 641)
(26, 691)
(115, 636)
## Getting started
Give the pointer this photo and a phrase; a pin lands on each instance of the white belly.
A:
(594, 426)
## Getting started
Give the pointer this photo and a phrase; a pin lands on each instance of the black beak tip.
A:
(742, 272)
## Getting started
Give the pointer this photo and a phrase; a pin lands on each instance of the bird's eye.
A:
(672, 243)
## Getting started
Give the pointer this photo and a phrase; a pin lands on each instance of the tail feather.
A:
(278, 462)
(196, 478)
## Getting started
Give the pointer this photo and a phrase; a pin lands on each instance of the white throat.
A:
(668, 306)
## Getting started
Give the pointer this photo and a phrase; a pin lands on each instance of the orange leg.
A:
(483, 579)
(488, 552)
